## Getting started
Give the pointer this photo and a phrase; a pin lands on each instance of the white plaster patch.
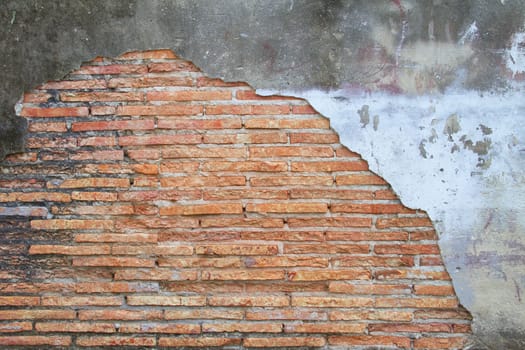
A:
(461, 157)
(516, 54)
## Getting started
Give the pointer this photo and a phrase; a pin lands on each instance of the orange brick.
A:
(97, 141)
(201, 342)
(200, 262)
(38, 197)
(148, 55)
(150, 81)
(311, 137)
(113, 261)
(178, 167)
(330, 166)
(359, 179)
(19, 301)
(357, 274)
(156, 275)
(246, 138)
(81, 301)
(158, 300)
(370, 340)
(54, 112)
(199, 124)
(113, 69)
(74, 84)
(47, 127)
(148, 110)
(326, 328)
(316, 248)
(203, 209)
(160, 328)
(291, 261)
(431, 261)
(60, 224)
(75, 327)
(379, 315)
(252, 95)
(330, 222)
(37, 314)
(302, 236)
(154, 222)
(242, 327)
(410, 274)
(290, 151)
(206, 82)
(434, 303)
(244, 166)
(366, 236)
(12, 327)
(284, 342)
(55, 142)
(429, 235)
(262, 301)
(380, 289)
(90, 182)
(103, 110)
(115, 341)
(100, 96)
(172, 66)
(289, 207)
(286, 314)
(243, 275)
(295, 123)
(152, 249)
(35, 340)
(286, 287)
(264, 181)
(189, 95)
(171, 195)
(98, 155)
(69, 250)
(407, 249)
(204, 152)
(372, 261)
(115, 287)
(440, 343)
(244, 194)
(180, 139)
(203, 181)
(236, 249)
(303, 109)
(119, 315)
(116, 238)
(403, 222)
(139, 124)
(412, 328)
(433, 290)
(247, 109)
(203, 314)
(330, 194)
(312, 301)
(94, 196)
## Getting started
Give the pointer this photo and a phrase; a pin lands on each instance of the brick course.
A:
(159, 208)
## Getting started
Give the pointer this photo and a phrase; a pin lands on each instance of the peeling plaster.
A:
(470, 178)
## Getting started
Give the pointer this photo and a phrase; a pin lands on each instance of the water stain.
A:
(451, 126)
(364, 116)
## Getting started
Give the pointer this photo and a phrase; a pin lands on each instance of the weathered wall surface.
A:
(463, 58)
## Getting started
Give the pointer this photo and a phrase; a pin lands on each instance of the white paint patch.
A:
(516, 54)
(461, 157)
(470, 34)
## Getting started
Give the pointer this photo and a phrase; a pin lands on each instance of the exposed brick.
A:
(380, 289)
(113, 261)
(155, 275)
(189, 95)
(340, 302)
(203, 181)
(150, 110)
(152, 250)
(34, 314)
(75, 327)
(119, 315)
(244, 166)
(372, 261)
(116, 237)
(289, 207)
(201, 342)
(378, 315)
(35, 340)
(13, 327)
(103, 110)
(113, 69)
(359, 179)
(252, 95)
(148, 55)
(54, 112)
(316, 248)
(242, 327)
(403, 222)
(212, 82)
(153, 300)
(199, 124)
(326, 328)
(266, 181)
(433, 290)
(115, 341)
(286, 314)
(243, 275)
(61, 224)
(357, 274)
(115, 287)
(370, 340)
(207, 313)
(290, 151)
(19, 301)
(172, 66)
(180, 139)
(263, 301)
(293, 261)
(132, 124)
(94, 196)
(100, 96)
(149, 81)
(160, 328)
(74, 84)
(69, 250)
(295, 123)
(203, 209)
(204, 152)
(236, 249)
(440, 343)
(284, 342)
(407, 249)
(47, 127)
(200, 262)
(247, 138)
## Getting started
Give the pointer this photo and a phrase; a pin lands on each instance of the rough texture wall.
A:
(156, 207)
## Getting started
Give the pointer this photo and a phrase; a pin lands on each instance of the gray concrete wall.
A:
(429, 91)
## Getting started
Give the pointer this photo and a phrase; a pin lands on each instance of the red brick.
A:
(330, 166)
(411, 328)
(19, 301)
(103, 110)
(380, 289)
(205, 152)
(292, 261)
(55, 112)
(434, 290)
(90, 182)
(244, 194)
(201, 342)
(98, 141)
(35, 340)
(247, 109)
(94, 196)
(326, 328)
(429, 235)
(148, 55)
(113, 69)
(289, 207)
(403, 222)
(55, 142)
(203, 181)
(115, 341)
(252, 95)
(189, 95)
(301, 236)
(410, 274)
(115, 287)
(138, 124)
(75, 327)
(290, 151)
(370, 340)
(100, 96)
(330, 194)
(380, 315)
(23, 211)
(236, 249)
(116, 237)
(212, 82)
(81, 301)
(152, 250)
(172, 66)
(154, 222)
(203, 314)
(295, 123)
(242, 327)
(312, 137)
(61, 224)
(243, 275)
(150, 110)
(171, 195)
(265, 181)
(156, 275)
(303, 109)
(437, 303)
(331, 222)
(316, 248)
(314, 275)
(244, 166)
(286, 314)
(246, 138)
(359, 179)
(372, 261)
(366, 236)
(98, 155)
(340, 302)
(284, 342)
(200, 262)
(407, 249)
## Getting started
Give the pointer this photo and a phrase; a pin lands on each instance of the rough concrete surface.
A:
(442, 81)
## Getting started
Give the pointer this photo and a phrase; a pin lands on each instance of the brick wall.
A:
(157, 207)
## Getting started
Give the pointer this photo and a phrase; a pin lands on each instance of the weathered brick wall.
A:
(156, 207)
